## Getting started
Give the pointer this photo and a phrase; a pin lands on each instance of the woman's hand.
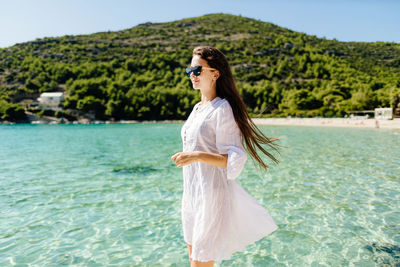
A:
(184, 158)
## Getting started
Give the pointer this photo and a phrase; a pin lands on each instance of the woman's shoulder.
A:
(221, 103)
(223, 106)
(223, 110)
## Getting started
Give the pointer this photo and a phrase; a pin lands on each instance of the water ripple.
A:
(101, 195)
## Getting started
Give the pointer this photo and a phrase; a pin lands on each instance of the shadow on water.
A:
(385, 253)
(139, 169)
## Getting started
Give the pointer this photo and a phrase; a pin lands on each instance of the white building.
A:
(51, 100)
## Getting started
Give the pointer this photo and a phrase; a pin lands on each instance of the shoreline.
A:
(330, 122)
(317, 122)
(84, 121)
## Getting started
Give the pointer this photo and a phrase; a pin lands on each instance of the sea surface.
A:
(109, 195)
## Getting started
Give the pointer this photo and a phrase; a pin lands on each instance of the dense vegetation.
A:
(138, 73)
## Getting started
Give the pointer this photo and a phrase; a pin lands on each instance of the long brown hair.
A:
(252, 137)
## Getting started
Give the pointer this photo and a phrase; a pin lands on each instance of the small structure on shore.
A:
(51, 100)
(383, 113)
(361, 114)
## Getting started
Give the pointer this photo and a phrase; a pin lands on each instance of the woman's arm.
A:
(184, 158)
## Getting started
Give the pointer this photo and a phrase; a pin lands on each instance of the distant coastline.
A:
(330, 122)
(288, 121)
(85, 121)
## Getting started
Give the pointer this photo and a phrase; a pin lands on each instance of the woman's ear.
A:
(216, 75)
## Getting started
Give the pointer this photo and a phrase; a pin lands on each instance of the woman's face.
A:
(207, 78)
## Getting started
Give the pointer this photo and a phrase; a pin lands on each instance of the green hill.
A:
(138, 73)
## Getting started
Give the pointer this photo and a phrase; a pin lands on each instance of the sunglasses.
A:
(196, 70)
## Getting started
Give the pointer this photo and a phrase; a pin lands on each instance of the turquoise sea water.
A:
(109, 195)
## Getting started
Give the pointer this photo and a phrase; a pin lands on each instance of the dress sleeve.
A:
(229, 141)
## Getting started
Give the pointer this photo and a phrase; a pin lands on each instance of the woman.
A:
(219, 217)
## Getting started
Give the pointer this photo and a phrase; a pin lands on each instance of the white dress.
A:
(218, 216)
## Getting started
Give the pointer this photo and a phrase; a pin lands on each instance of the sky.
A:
(344, 20)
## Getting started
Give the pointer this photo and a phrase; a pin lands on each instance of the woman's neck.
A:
(208, 95)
